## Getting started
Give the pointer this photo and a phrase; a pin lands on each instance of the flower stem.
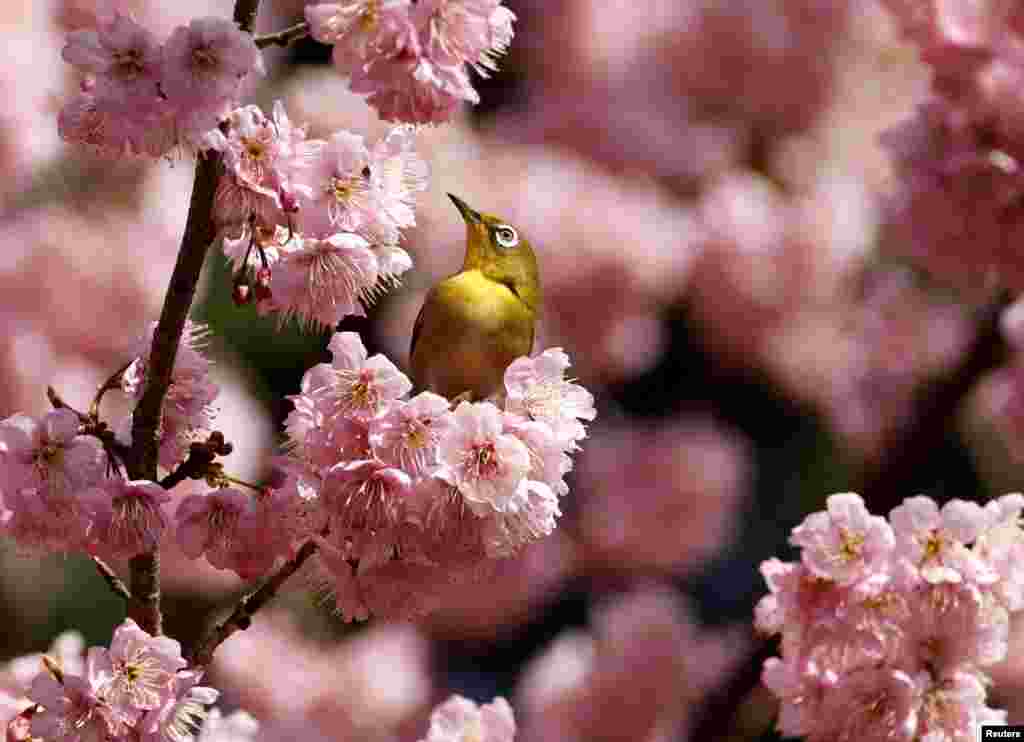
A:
(241, 618)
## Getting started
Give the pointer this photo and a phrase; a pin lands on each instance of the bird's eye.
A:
(506, 236)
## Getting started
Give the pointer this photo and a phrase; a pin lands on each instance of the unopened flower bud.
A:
(262, 289)
(241, 294)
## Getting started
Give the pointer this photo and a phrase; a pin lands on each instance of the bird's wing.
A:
(417, 328)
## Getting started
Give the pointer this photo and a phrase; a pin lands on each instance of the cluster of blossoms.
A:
(409, 57)
(60, 486)
(887, 626)
(318, 222)
(959, 157)
(141, 689)
(400, 493)
(143, 97)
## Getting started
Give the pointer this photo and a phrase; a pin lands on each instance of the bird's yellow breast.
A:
(470, 329)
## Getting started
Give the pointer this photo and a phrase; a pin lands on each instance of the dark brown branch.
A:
(245, 14)
(113, 581)
(144, 607)
(284, 37)
(241, 618)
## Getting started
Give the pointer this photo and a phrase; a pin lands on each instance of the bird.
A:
(474, 323)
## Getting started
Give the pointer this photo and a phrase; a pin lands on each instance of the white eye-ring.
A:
(506, 236)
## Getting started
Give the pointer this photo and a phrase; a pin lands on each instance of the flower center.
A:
(205, 59)
(370, 16)
(254, 148)
(359, 392)
(417, 434)
(851, 545)
(128, 64)
(344, 188)
(933, 546)
(483, 461)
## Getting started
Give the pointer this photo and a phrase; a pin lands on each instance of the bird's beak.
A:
(470, 216)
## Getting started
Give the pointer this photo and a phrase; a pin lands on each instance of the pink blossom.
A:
(188, 405)
(207, 60)
(49, 455)
(485, 464)
(340, 188)
(874, 705)
(208, 523)
(538, 389)
(846, 542)
(459, 719)
(549, 463)
(361, 386)
(936, 542)
(73, 710)
(642, 653)
(238, 726)
(294, 504)
(256, 160)
(324, 280)
(39, 522)
(954, 708)
(397, 174)
(801, 693)
(126, 57)
(675, 504)
(130, 520)
(16, 675)
(476, 32)
(408, 434)
(137, 673)
(954, 627)
(1002, 546)
(366, 497)
(413, 90)
(361, 29)
(530, 516)
(184, 710)
(147, 129)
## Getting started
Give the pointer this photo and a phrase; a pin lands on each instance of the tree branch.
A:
(144, 607)
(241, 618)
(283, 37)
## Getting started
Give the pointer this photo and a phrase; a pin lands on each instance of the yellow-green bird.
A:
(475, 323)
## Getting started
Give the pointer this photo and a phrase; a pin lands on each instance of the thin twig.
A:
(58, 403)
(241, 618)
(114, 382)
(113, 581)
(284, 37)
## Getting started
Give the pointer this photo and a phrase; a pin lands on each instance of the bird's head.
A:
(500, 252)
